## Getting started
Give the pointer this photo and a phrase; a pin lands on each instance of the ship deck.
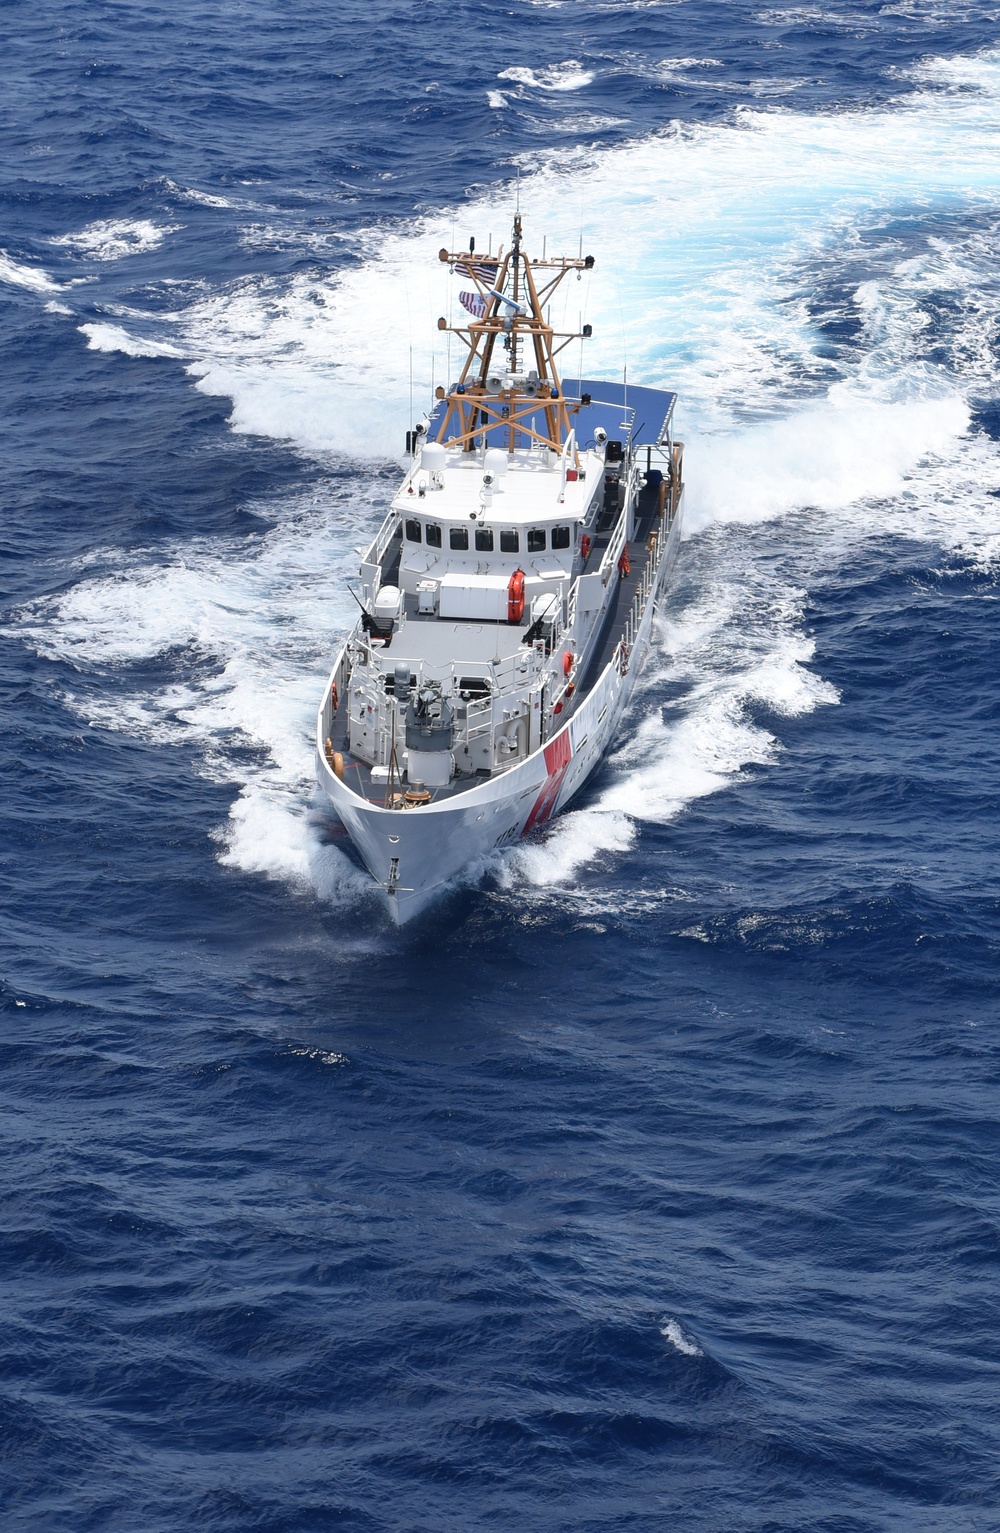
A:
(442, 643)
(447, 643)
(647, 519)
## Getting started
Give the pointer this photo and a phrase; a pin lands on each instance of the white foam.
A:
(272, 236)
(704, 293)
(31, 277)
(105, 337)
(828, 457)
(112, 238)
(670, 1331)
(251, 634)
(568, 76)
(576, 838)
(686, 63)
(204, 199)
(325, 1056)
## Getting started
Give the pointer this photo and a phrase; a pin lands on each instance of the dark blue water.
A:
(652, 1181)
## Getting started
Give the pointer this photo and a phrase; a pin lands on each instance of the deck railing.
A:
(512, 676)
(656, 549)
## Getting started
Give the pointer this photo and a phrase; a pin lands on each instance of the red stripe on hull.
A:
(558, 755)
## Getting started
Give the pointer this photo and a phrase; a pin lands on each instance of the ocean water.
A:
(651, 1181)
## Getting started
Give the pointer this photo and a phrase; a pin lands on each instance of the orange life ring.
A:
(585, 547)
(515, 597)
(567, 662)
(624, 564)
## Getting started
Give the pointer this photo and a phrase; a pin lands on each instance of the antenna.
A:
(621, 311)
(451, 308)
(580, 378)
(412, 448)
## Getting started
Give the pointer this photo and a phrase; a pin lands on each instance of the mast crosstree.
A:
(512, 393)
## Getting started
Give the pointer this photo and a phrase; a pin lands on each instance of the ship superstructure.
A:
(507, 597)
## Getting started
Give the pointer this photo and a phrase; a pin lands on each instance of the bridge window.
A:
(432, 532)
(458, 537)
(536, 540)
(413, 531)
(510, 543)
(560, 537)
(484, 540)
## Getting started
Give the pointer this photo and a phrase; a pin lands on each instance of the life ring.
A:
(515, 597)
(624, 564)
(585, 547)
(567, 662)
(334, 698)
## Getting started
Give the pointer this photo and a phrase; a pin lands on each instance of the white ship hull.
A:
(507, 599)
(416, 854)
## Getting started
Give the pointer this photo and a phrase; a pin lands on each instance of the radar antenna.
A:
(494, 400)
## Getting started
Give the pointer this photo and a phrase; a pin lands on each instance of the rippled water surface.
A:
(650, 1182)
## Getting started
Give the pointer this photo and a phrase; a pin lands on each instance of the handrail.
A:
(613, 552)
(382, 538)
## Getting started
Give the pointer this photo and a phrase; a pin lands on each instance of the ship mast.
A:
(495, 399)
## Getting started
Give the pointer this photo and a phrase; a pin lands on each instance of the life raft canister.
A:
(515, 597)
(334, 759)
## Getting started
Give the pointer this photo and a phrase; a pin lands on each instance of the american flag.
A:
(474, 302)
(486, 271)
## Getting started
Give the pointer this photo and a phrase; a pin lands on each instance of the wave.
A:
(105, 337)
(31, 277)
(555, 77)
(110, 239)
(203, 199)
(247, 636)
(708, 291)
(670, 1331)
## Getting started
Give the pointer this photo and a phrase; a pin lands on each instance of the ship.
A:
(506, 601)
